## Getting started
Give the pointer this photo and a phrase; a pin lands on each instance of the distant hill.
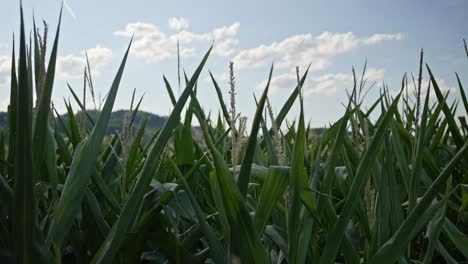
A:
(3, 120)
(117, 119)
(154, 123)
(115, 124)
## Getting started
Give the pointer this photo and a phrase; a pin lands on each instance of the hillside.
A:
(115, 124)
(3, 121)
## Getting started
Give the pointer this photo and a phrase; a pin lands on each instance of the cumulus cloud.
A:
(154, 45)
(72, 65)
(279, 82)
(328, 83)
(5, 63)
(178, 24)
(4, 102)
(443, 86)
(68, 66)
(305, 48)
(319, 85)
(376, 38)
(226, 31)
(225, 47)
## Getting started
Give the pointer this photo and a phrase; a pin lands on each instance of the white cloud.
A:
(278, 82)
(5, 63)
(377, 38)
(178, 24)
(154, 45)
(373, 74)
(304, 49)
(72, 65)
(327, 84)
(68, 66)
(443, 86)
(226, 31)
(319, 85)
(4, 102)
(225, 47)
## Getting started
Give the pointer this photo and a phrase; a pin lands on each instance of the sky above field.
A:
(332, 36)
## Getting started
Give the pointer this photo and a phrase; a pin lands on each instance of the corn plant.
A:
(364, 190)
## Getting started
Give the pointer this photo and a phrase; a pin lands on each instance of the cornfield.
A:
(390, 189)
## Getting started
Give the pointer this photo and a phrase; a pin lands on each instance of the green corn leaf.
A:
(275, 234)
(244, 173)
(133, 158)
(74, 128)
(12, 110)
(218, 201)
(289, 103)
(417, 164)
(267, 140)
(105, 191)
(457, 137)
(113, 241)
(50, 160)
(335, 236)
(37, 55)
(81, 105)
(96, 211)
(216, 249)
(444, 253)
(220, 98)
(6, 194)
(390, 251)
(297, 181)
(307, 220)
(66, 129)
(401, 157)
(169, 91)
(433, 231)
(396, 214)
(185, 153)
(62, 148)
(82, 167)
(115, 148)
(274, 185)
(3, 162)
(245, 242)
(462, 93)
(458, 238)
(24, 209)
(41, 123)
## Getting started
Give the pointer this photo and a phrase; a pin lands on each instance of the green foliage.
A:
(103, 187)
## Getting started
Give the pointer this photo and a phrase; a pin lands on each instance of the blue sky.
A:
(331, 35)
